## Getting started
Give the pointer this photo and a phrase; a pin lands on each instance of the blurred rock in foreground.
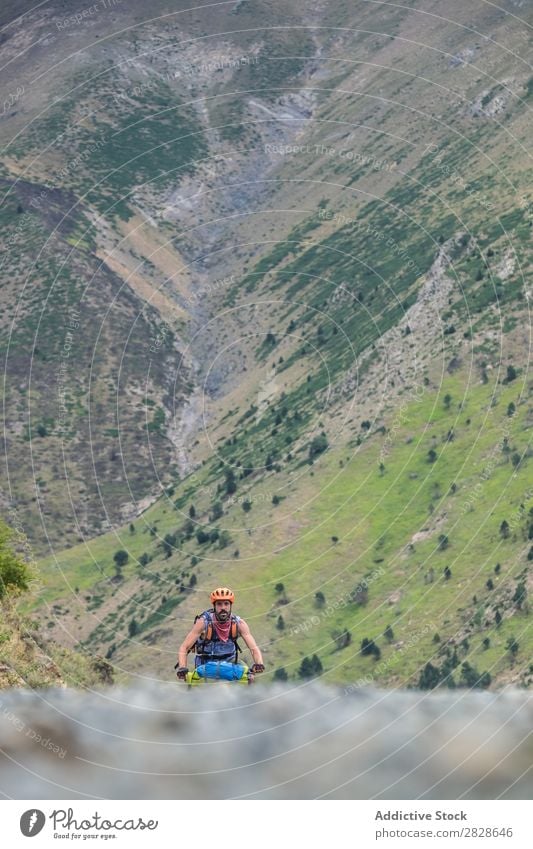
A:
(162, 741)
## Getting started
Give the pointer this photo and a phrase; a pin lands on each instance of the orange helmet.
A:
(222, 594)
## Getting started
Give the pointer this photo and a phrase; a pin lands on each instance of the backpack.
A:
(210, 645)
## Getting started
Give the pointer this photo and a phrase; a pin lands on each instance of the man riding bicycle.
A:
(214, 636)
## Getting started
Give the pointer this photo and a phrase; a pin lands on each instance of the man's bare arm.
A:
(189, 641)
(246, 634)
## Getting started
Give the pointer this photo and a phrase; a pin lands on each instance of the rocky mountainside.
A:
(265, 321)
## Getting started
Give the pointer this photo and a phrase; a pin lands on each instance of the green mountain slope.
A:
(375, 540)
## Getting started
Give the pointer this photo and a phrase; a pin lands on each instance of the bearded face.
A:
(222, 610)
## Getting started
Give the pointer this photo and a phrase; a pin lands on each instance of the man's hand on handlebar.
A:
(258, 667)
(182, 672)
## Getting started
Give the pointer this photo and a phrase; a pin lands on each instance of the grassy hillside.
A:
(374, 540)
(27, 657)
